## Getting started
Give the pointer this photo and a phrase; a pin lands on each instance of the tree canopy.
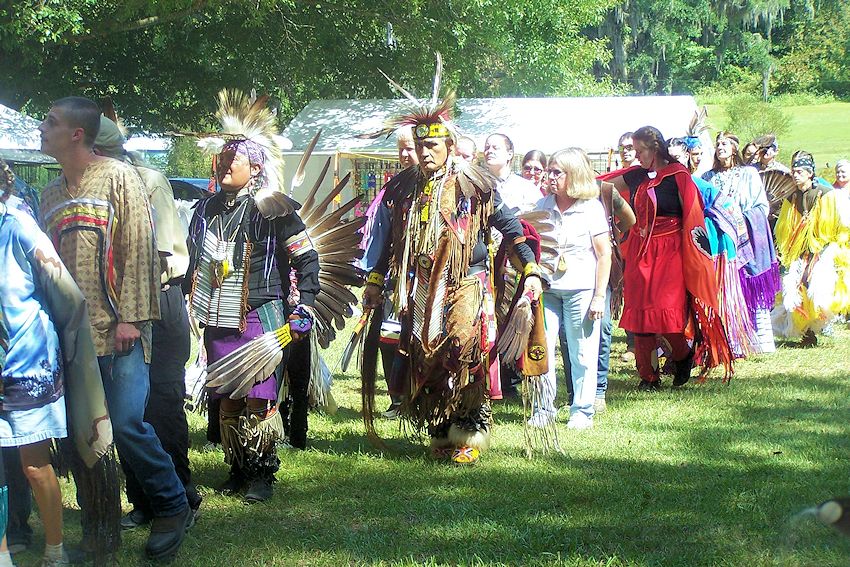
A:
(163, 61)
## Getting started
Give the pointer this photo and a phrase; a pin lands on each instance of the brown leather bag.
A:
(615, 279)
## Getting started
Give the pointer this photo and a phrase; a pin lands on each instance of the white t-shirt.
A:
(575, 265)
(518, 193)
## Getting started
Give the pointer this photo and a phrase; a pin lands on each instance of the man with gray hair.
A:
(171, 343)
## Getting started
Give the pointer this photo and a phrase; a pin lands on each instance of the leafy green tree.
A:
(750, 117)
(163, 61)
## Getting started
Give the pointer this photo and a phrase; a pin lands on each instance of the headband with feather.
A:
(430, 118)
(696, 127)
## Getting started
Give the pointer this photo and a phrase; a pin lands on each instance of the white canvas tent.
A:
(547, 124)
(20, 141)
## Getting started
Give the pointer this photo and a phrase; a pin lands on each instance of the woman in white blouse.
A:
(575, 300)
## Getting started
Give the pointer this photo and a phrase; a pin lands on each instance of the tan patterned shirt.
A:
(103, 233)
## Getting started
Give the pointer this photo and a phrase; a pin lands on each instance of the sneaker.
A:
(628, 356)
(647, 386)
(542, 418)
(134, 519)
(465, 456)
(599, 405)
(580, 422)
(392, 412)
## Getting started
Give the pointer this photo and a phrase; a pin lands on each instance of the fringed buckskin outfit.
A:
(438, 256)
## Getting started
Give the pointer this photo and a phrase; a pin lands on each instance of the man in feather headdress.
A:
(435, 248)
(243, 241)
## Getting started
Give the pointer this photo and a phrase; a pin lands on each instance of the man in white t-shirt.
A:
(517, 193)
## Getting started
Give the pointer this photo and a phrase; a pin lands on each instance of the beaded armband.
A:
(376, 278)
(531, 269)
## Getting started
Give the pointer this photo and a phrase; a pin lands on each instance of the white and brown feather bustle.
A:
(335, 238)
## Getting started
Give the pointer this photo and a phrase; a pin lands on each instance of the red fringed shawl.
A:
(711, 345)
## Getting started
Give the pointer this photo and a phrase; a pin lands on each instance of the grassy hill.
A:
(823, 129)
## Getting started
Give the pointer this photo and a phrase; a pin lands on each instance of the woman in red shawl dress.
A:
(670, 290)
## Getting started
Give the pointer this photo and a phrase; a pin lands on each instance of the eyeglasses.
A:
(532, 169)
(555, 173)
(627, 148)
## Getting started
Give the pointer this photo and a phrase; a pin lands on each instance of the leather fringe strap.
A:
(368, 375)
(537, 393)
(98, 491)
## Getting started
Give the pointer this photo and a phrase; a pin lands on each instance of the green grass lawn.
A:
(708, 475)
(822, 129)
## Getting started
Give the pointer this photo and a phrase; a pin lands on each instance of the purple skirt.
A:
(220, 342)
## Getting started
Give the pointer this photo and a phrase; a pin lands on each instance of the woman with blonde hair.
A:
(576, 296)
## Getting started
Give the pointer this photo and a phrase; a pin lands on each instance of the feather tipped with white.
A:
(402, 91)
(298, 178)
(438, 77)
(211, 145)
(250, 364)
(514, 338)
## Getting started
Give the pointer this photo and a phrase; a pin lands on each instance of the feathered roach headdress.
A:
(695, 129)
(248, 127)
(431, 118)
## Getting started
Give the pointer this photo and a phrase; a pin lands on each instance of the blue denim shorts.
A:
(25, 427)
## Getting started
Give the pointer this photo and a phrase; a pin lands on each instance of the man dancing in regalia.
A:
(435, 249)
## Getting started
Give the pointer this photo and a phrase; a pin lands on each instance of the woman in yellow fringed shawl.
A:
(813, 242)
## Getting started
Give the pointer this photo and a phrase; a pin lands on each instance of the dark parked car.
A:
(189, 188)
(187, 192)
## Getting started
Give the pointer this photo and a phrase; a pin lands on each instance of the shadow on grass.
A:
(514, 514)
(711, 487)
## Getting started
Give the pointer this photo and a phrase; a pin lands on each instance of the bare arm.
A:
(625, 216)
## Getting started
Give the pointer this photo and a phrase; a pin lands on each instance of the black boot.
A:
(259, 490)
(235, 481)
(683, 370)
(260, 471)
(167, 535)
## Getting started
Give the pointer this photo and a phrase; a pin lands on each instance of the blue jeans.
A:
(126, 383)
(604, 362)
(566, 317)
